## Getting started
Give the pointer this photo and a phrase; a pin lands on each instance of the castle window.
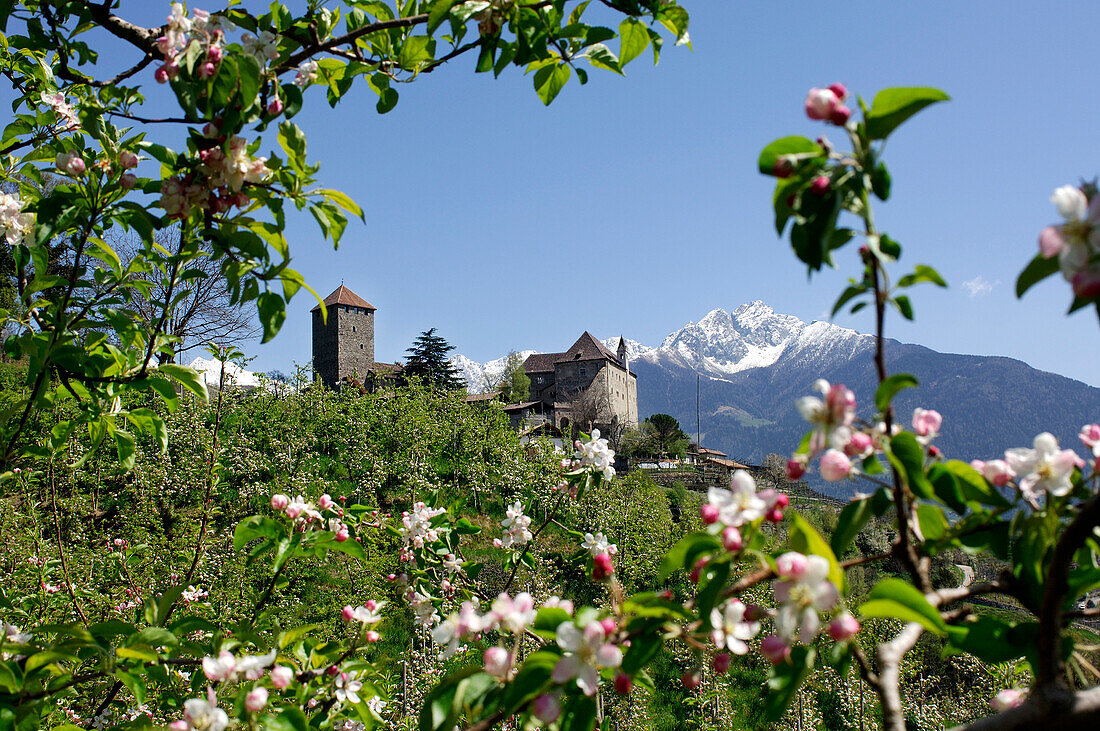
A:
(353, 328)
(582, 371)
(360, 346)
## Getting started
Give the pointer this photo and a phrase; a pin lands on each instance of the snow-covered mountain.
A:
(480, 377)
(211, 369)
(751, 364)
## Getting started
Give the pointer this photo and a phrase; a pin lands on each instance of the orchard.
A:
(190, 616)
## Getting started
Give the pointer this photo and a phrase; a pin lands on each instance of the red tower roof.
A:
(344, 296)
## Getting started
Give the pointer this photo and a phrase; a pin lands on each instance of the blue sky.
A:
(632, 205)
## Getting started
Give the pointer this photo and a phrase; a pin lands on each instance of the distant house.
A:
(343, 343)
(587, 383)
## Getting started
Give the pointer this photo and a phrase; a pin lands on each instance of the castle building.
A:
(587, 384)
(343, 345)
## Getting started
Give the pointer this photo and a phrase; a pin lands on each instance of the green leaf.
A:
(891, 107)
(633, 39)
(901, 600)
(922, 273)
(974, 486)
(804, 538)
(351, 547)
(799, 149)
(154, 637)
(889, 388)
(881, 182)
(187, 377)
(711, 582)
(343, 200)
(124, 441)
(549, 80)
(946, 488)
(134, 683)
(847, 295)
(905, 307)
(290, 718)
(439, 12)
(531, 678)
(852, 518)
(579, 714)
(905, 448)
(785, 679)
(1037, 270)
(643, 648)
(686, 551)
(271, 309)
(932, 522)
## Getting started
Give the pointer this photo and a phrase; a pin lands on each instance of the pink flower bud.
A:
(835, 465)
(781, 500)
(623, 683)
(161, 75)
(820, 103)
(934, 452)
(1086, 283)
(602, 568)
(795, 469)
(391, 577)
(372, 636)
(697, 571)
(332, 671)
(840, 90)
(840, 115)
(731, 539)
(783, 167)
(721, 662)
(214, 54)
(348, 612)
(256, 699)
(342, 535)
(325, 502)
(1050, 241)
(691, 679)
(608, 625)
(926, 422)
(844, 627)
(791, 565)
(207, 70)
(127, 159)
(1008, 699)
(281, 676)
(371, 605)
(820, 185)
(279, 501)
(774, 649)
(497, 662)
(709, 513)
(127, 181)
(275, 107)
(546, 708)
(859, 445)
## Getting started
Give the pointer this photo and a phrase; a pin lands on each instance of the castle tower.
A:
(623, 358)
(344, 345)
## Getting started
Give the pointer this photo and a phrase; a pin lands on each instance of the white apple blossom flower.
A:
(1045, 467)
(203, 714)
(587, 651)
(347, 688)
(516, 526)
(731, 630)
(219, 669)
(802, 596)
(252, 667)
(597, 544)
(741, 504)
(1070, 202)
(514, 614)
(595, 454)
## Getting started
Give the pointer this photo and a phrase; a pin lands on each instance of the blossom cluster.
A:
(506, 614)
(840, 441)
(596, 455)
(731, 509)
(180, 31)
(1076, 241)
(1045, 467)
(216, 184)
(309, 517)
(416, 526)
(828, 104)
(517, 527)
(15, 224)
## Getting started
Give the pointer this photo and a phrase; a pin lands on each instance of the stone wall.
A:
(343, 346)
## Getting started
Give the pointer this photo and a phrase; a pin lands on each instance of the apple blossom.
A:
(926, 422)
(1090, 437)
(220, 668)
(860, 445)
(281, 676)
(546, 708)
(740, 504)
(730, 628)
(514, 614)
(596, 544)
(843, 627)
(840, 90)
(835, 465)
(820, 185)
(1070, 202)
(602, 568)
(804, 590)
(325, 502)
(204, 714)
(1044, 467)
(279, 502)
(256, 699)
(838, 408)
(71, 163)
(774, 649)
(497, 661)
(796, 468)
(15, 225)
(623, 683)
(275, 107)
(721, 662)
(1050, 242)
(731, 539)
(820, 103)
(563, 604)
(262, 46)
(595, 455)
(1008, 699)
(709, 513)
(588, 651)
(307, 73)
(516, 526)
(840, 115)
(347, 688)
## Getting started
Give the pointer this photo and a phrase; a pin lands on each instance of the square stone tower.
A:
(344, 345)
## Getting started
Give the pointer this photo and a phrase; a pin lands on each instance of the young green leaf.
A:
(891, 107)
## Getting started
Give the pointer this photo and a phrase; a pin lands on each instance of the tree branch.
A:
(1057, 708)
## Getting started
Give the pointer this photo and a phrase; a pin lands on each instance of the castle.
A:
(586, 386)
(343, 345)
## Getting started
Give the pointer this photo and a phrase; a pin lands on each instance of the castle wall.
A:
(343, 346)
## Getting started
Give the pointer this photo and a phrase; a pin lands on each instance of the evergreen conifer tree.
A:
(427, 360)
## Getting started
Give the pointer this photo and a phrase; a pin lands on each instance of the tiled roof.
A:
(477, 397)
(385, 369)
(521, 406)
(540, 362)
(344, 296)
(587, 348)
(728, 463)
